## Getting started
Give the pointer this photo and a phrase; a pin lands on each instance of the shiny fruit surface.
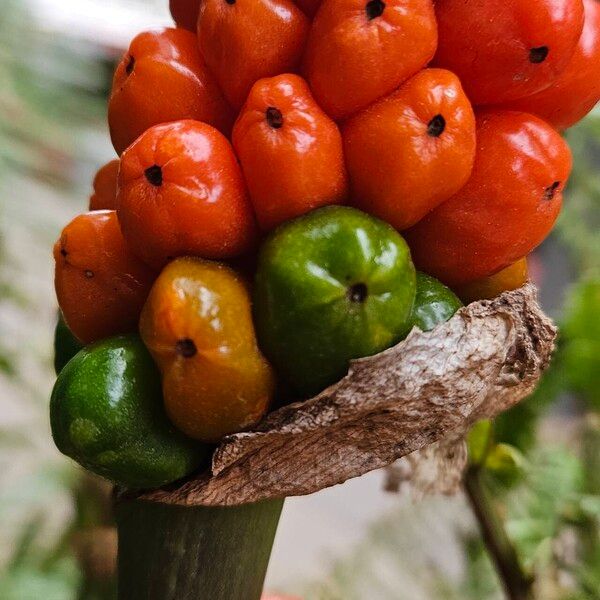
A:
(290, 151)
(434, 303)
(100, 284)
(104, 196)
(243, 41)
(332, 285)
(509, 49)
(359, 51)
(510, 278)
(162, 78)
(107, 414)
(181, 192)
(66, 345)
(198, 326)
(507, 207)
(577, 89)
(412, 150)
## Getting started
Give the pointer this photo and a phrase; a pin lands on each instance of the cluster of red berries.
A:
(442, 118)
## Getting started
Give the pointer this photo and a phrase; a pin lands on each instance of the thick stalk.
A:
(169, 552)
(517, 585)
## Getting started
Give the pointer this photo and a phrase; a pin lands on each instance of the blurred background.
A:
(352, 542)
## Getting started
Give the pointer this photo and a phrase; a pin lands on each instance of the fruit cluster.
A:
(220, 233)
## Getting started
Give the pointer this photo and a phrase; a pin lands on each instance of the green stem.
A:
(169, 552)
(517, 584)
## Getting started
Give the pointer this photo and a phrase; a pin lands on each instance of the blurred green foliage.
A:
(579, 356)
(579, 223)
(32, 573)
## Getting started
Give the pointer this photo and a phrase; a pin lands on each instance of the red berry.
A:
(577, 90)
(509, 49)
(507, 207)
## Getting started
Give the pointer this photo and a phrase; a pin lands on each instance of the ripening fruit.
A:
(577, 89)
(181, 192)
(104, 196)
(198, 326)
(162, 78)
(509, 49)
(245, 40)
(434, 303)
(412, 150)
(331, 286)
(507, 207)
(290, 151)
(359, 51)
(100, 285)
(511, 278)
(107, 414)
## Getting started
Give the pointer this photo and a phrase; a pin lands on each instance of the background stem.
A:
(517, 584)
(169, 552)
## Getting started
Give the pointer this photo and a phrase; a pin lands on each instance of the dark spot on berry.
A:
(154, 175)
(538, 55)
(230, 2)
(130, 65)
(550, 191)
(89, 274)
(374, 9)
(186, 348)
(274, 117)
(436, 126)
(358, 292)
(63, 252)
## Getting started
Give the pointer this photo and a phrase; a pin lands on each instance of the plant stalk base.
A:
(169, 552)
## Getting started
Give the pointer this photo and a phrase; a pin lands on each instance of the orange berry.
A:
(104, 196)
(507, 207)
(197, 324)
(290, 151)
(359, 51)
(245, 40)
(162, 78)
(181, 193)
(100, 285)
(509, 49)
(510, 278)
(412, 150)
(577, 89)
